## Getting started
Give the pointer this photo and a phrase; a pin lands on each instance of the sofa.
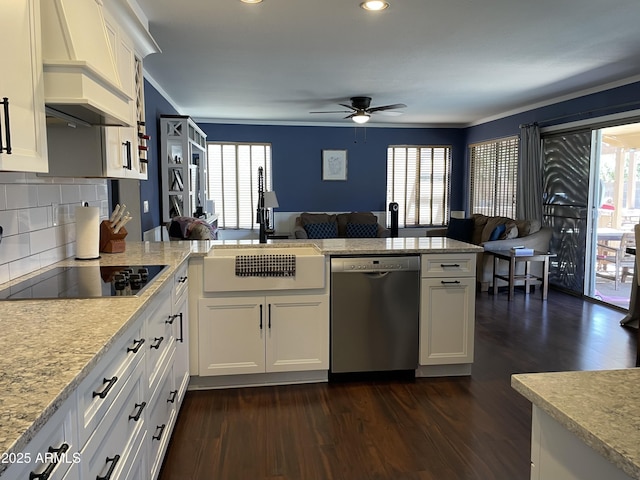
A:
(497, 233)
(341, 225)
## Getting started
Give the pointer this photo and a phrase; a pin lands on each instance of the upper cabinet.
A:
(22, 118)
(115, 147)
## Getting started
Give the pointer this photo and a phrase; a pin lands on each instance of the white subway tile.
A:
(24, 266)
(14, 248)
(48, 194)
(30, 219)
(21, 196)
(4, 273)
(3, 197)
(13, 177)
(42, 240)
(88, 193)
(9, 222)
(71, 194)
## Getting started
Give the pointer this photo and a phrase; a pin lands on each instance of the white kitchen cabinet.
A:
(447, 309)
(258, 334)
(184, 166)
(21, 83)
(558, 454)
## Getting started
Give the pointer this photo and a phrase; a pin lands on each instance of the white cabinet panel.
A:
(21, 82)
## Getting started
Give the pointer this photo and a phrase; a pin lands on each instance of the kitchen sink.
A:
(290, 267)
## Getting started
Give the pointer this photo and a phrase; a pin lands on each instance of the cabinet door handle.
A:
(449, 265)
(109, 382)
(269, 316)
(158, 342)
(159, 435)
(113, 461)
(260, 317)
(449, 282)
(127, 147)
(182, 279)
(181, 339)
(7, 127)
(140, 407)
(172, 396)
(138, 344)
(49, 470)
(170, 319)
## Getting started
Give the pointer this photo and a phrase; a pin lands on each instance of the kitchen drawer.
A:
(448, 265)
(53, 449)
(162, 415)
(137, 467)
(97, 391)
(109, 447)
(160, 339)
(180, 282)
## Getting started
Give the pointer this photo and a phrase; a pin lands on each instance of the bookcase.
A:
(184, 166)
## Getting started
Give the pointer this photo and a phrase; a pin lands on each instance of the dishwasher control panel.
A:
(375, 264)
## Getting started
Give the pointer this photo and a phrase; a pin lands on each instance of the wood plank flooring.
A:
(473, 427)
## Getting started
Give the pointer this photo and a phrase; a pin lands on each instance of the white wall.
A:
(37, 216)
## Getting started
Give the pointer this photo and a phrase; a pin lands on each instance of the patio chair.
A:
(623, 262)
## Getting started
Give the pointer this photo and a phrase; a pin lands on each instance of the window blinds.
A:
(419, 180)
(494, 171)
(233, 181)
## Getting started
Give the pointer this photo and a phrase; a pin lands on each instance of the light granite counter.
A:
(367, 246)
(602, 408)
(49, 346)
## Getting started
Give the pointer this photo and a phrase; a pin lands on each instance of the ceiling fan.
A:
(360, 110)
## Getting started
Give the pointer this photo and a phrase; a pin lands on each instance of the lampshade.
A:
(360, 118)
(270, 200)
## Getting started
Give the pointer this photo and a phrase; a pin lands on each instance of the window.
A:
(419, 180)
(233, 181)
(494, 172)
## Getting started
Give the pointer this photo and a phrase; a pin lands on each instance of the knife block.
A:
(111, 242)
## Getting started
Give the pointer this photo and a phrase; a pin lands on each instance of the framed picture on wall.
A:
(334, 165)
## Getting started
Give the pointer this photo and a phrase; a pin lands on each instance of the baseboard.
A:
(460, 370)
(257, 380)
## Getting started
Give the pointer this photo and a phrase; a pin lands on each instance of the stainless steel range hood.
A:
(81, 77)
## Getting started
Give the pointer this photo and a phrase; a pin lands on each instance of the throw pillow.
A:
(511, 231)
(460, 229)
(497, 232)
(362, 230)
(321, 230)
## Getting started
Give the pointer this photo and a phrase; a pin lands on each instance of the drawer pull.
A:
(161, 428)
(170, 319)
(181, 339)
(260, 317)
(454, 282)
(49, 470)
(113, 461)
(109, 382)
(140, 407)
(158, 342)
(182, 279)
(449, 265)
(138, 344)
(172, 396)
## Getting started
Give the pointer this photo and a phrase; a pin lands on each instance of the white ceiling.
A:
(453, 62)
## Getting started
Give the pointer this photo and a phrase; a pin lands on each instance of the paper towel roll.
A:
(87, 233)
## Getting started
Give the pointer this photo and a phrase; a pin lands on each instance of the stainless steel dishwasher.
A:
(375, 307)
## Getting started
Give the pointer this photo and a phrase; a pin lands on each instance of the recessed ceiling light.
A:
(374, 5)
(251, 1)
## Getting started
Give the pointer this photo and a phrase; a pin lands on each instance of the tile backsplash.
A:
(37, 216)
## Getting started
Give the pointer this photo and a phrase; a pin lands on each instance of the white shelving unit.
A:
(184, 166)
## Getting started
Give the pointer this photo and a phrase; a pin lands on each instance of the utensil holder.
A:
(111, 242)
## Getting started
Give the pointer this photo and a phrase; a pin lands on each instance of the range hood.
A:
(80, 73)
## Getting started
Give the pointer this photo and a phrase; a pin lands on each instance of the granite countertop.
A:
(49, 346)
(601, 407)
(367, 246)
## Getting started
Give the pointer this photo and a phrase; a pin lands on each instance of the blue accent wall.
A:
(297, 162)
(154, 106)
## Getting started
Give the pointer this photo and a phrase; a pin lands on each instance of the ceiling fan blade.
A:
(395, 106)
(389, 113)
(348, 106)
(350, 116)
(335, 111)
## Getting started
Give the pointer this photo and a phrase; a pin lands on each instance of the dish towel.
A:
(265, 266)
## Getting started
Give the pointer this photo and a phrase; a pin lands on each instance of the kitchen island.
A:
(586, 424)
(51, 346)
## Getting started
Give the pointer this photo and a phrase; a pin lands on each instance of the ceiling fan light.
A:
(361, 118)
(374, 5)
(251, 1)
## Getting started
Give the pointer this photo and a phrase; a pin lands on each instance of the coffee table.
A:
(528, 277)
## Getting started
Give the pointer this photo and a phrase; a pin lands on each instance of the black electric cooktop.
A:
(84, 282)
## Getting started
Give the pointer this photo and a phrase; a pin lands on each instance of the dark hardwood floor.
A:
(473, 427)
